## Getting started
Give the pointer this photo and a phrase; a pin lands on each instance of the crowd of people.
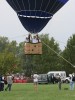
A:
(8, 80)
(71, 83)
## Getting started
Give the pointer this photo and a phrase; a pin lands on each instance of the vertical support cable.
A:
(18, 5)
(47, 6)
(56, 7)
(53, 5)
(24, 6)
(35, 13)
(40, 8)
(35, 8)
(29, 7)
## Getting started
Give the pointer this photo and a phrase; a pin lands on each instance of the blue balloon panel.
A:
(35, 14)
(34, 24)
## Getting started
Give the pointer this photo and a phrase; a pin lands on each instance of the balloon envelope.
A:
(35, 14)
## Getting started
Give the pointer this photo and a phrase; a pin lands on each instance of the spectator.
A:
(53, 79)
(5, 79)
(35, 80)
(72, 79)
(59, 83)
(9, 82)
(1, 83)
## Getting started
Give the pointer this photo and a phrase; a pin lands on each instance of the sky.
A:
(60, 27)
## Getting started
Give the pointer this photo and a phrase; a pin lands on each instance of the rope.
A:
(24, 6)
(53, 6)
(41, 4)
(47, 5)
(56, 7)
(58, 54)
(29, 5)
(19, 36)
(53, 51)
(35, 7)
(41, 7)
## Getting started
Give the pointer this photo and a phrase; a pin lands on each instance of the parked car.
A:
(56, 74)
(67, 80)
(42, 79)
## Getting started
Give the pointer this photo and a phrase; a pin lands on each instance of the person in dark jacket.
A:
(59, 83)
(1, 83)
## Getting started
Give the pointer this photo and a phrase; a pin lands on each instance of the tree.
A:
(69, 55)
(8, 60)
(40, 63)
(3, 43)
(51, 59)
(13, 57)
(48, 60)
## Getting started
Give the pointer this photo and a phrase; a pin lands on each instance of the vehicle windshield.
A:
(42, 76)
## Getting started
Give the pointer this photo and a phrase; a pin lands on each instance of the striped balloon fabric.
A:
(35, 14)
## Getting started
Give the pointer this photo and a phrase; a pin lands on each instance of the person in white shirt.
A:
(35, 80)
(9, 82)
(34, 40)
(71, 83)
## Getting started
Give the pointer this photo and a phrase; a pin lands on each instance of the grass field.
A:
(45, 92)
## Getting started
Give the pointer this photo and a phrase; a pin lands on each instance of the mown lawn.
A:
(45, 92)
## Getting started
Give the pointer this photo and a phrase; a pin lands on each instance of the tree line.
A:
(13, 58)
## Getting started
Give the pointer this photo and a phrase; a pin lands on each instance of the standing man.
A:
(9, 82)
(59, 82)
(35, 80)
(72, 80)
(1, 83)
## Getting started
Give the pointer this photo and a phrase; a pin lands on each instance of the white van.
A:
(56, 74)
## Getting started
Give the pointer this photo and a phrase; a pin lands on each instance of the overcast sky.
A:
(61, 26)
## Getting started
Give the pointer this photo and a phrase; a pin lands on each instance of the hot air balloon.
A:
(35, 14)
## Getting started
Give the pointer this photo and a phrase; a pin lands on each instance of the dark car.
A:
(43, 79)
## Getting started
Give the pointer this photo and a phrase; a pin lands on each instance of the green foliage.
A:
(69, 54)
(8, 59)
(48, 60)
(13, 58)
